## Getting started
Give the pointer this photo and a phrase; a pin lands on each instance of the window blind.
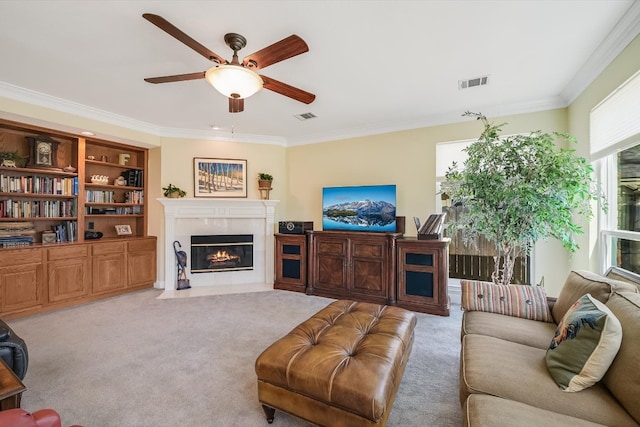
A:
(615, 122)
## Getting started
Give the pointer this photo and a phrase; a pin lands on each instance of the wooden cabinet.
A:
(291, 262)
(356, 265)
(68, 272)
(72, 189)
(47, 277)
(422, 275)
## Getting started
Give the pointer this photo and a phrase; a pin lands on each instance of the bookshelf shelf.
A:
(40, 218)
(113, 215)
(37, 195)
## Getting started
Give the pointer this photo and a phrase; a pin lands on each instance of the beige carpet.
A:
(136, 360)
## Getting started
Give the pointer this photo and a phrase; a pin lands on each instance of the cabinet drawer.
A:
(332, 247)
(142, 245)
(21, 256)
(108, 248)
(68, 252)
(369, 249)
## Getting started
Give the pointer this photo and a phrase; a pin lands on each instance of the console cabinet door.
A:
(68, 272)
(291, 262)
(422, 275)
(331, 264)
(368, 272)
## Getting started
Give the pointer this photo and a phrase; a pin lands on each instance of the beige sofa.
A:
(504, 380)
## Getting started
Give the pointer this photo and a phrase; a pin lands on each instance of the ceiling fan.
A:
(233, 79)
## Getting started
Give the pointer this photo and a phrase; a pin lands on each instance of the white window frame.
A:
(614, 127)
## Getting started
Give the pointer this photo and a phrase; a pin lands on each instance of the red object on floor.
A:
(21, 418)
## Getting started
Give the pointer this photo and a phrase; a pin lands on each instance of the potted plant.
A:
(264, 180)
(173, 192)
(517, 190)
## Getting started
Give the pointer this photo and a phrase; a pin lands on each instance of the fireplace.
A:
(188, 217)
(232, 252)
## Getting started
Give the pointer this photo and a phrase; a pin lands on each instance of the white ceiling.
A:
(375, 66)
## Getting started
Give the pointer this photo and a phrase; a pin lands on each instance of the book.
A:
(432, 227)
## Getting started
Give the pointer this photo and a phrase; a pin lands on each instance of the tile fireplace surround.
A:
(201, 216)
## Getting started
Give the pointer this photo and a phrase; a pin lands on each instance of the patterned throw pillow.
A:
(527, 302)
(585, 343)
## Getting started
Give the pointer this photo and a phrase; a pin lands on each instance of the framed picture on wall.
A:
(219, 177)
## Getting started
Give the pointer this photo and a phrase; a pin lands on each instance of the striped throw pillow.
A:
(525, 301)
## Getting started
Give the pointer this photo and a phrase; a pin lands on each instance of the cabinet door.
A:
(291, 261)
(68, 272)
(21, 287)
(422, 276)
(141, 262)
(109, 273)
(331, 268)
(369, 267)
(68, 279)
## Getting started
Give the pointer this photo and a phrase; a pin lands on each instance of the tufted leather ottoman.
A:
(341, 367)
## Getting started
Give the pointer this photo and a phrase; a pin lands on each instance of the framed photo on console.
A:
(219, 177)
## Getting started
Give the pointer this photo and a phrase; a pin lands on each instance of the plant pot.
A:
(264, 183)
(173, 195)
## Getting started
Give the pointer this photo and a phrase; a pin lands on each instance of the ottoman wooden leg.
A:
(269, 412)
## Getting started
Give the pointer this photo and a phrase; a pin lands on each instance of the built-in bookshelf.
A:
(88, 185)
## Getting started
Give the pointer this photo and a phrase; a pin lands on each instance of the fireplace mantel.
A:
(186, 216)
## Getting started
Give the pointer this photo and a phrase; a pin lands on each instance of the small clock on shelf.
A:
(42, 152)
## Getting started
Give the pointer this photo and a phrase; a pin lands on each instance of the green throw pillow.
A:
(585, 343)
(525, 301)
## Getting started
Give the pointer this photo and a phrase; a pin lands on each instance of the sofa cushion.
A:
(527, 302)
(481, 410)
(586, 341)
(623, 377)
(518, 372)
(579, 283)
(515, 329)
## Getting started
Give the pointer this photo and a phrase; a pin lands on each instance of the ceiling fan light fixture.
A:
(234, 81)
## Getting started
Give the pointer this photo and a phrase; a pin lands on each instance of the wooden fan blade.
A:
(179, 35)
(236, 105)
(279, 51)
(176, 78)
(287, 90)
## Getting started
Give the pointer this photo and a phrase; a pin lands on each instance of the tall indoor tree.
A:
(519, 189)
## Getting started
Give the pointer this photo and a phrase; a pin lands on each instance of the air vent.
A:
(305, 116)
(476, 81)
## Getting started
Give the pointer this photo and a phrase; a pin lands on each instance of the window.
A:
(615, 150)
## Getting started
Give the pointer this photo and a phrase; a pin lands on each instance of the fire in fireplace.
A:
(221, 253)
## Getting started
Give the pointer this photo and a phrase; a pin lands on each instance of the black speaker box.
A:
(294, 227)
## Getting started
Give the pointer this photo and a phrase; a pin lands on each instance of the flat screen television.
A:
(359, 208)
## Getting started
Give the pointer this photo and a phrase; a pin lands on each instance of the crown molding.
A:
(627, 29)
(39, 99)
(431, 120)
